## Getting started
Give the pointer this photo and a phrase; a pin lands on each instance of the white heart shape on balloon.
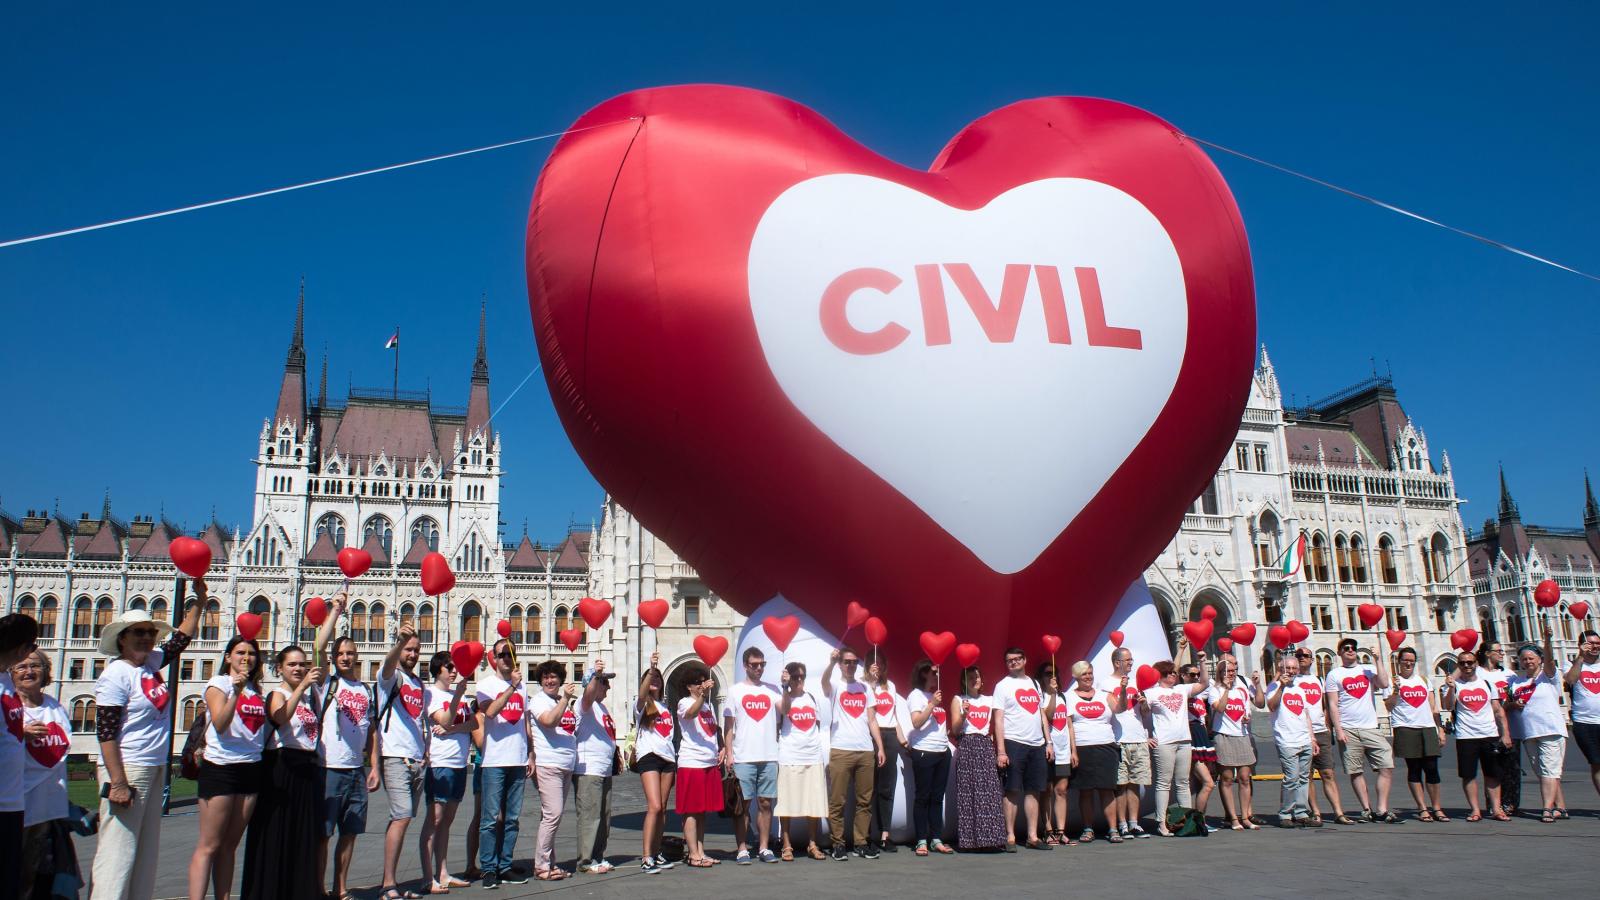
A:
(995, 366)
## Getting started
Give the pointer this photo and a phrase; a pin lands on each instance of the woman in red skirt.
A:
(700, 762)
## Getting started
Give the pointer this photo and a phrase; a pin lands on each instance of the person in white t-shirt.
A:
(1230, 698)
(1094, 743)
(802, 763)
(505, 722)
(1325, 762)
(594, 770)
(1172, 759)
(1133, 745)
(1021, 751)
(1054, 801)
(46, 732)
(855, 754)
(1533, 705)
(1492, 668)
(451, 720)
(1481, 725)
(1582, 678)
(230, 771)
(930, 758)
(889, 716)
(402, 742)
(18, 640)
(1352, 689)
(980, 804)
(555, 757)
(135, 736)
(1418, 736)
(656, 761)
(751, 731)
(700, 761)
(1293, 732)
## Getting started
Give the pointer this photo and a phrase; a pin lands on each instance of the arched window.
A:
(1515, 633)
(1206, 503)
(104, 609)
(28, 606)
(49, 614)
(561, 620)
(191, 711)
(533, 625)
(1267, 540)
(471, 621)
(83, 715)
(408, 616)
(1319, 558)
(1486, 625)
(358, 623)
(425, 624)
(332, 525)
(1566, 623)
(427, 530)
(1324, 663)
(1445, 667)
(1358, 559)
(1341, 556)
(1386, 561)
(82, 616)
(262, 607)
(1441, 557)
(211, 621)
(381, 527)
(136, 603)
(514, 619)
(158, 609)
(377, 624)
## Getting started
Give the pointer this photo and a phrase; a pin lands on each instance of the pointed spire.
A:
(1269, 377)
(1591, 509)
(297, 344)
(292, 393)
(480, 365)
(478, 394)
(322, 385)
(105, 510)
(1508, 506)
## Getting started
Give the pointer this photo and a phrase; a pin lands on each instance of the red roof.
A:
(157, 544)
(323, 551)
(401, 429)
(217, 539)
(1340, 444)
(569, 556)
(51, 542)
(527, 557)
(375, 547)
(413, 558)
(103, 545)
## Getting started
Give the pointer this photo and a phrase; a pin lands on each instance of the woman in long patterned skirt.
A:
(980, 818)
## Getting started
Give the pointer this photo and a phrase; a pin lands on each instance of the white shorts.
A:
(1546, 754)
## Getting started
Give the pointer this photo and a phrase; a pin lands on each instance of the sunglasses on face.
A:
(755, 665)
(504, 654)
(1467, 665)
(143, 632)
(848, 662)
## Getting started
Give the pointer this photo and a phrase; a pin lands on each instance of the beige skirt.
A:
(803, 791)
(1235, 751)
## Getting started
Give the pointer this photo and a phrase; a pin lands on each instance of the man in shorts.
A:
(1133, 740)
(349, 743)
(400, 715)
(752, 736)
(1353, 688)
(1021, 750)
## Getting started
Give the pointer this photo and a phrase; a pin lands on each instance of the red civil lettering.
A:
(1094, 315)
(836, 324)
(1000, 320)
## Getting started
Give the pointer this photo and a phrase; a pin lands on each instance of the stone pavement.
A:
(1414, 858)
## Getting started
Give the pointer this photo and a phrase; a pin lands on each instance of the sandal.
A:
(552, 874)
(437, 888)
(922, 848)
(1317, 818)
(787, 855)
(1087, 837)
(1475, 817)
(1561, 813)
(699, 862)
(455, 882)
(939, 846)
(1439, 816)
(1499, 815)
(1115, 838)
(1250, 823)
(1424, 816)
(1547, 817)
(1343, 819)
(815, 852)
(395, 893)
(1236, 825)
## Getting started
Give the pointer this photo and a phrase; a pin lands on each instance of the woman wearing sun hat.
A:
(135, 732)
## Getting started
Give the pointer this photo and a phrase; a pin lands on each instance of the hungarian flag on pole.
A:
(1295, 557)
(392, 342)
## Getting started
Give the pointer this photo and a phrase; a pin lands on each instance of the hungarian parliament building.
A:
(399, 476)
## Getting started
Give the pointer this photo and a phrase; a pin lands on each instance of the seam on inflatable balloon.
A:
(594, 262)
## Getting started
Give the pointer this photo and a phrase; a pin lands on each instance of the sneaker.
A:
(838, 853)
(648, 866)
(1137, 830)
(663, 863)
(514, 876)
(491, 881)
(767, 856)
(599, 867)
(867, 852)
(743, 858)
(1212, 829)
(889, 847)
(1367, 816)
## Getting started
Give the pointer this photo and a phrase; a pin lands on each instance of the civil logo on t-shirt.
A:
(885, 703)
(1414, 694)
(708, 722)
(663, 725)
(1355, 686)
(12, 707)
(411, 696)
(1500, 686)
(1060, 717)
(1234, 708)
(1524, 692)
(569, 721)
(511, 713)
(978, 716)
(756, 706)
(939, 714)
(249, 709)
(355, 705)
(854, 703)
(1474, 699)
(155, 690)
(1028, 699)
(1590, 680)
(1091, 709)
(1198, 707)
(1295, 703)
(51, 747)
(1312, 689)
(608, 725)
(309, 723)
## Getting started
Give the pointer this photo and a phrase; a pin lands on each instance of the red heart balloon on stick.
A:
(466, 655)
(937, 646)
(1370, 614)
(1579, 610)
(875, 631)
(781, 630)
(1279, 636)
(967, 654)
(316, 610)
(192, 557)
(653, 612)
(1396, 637)
(1116, 638)
(503, 628)
(1209, 613)
(571, 637)
(354, 562)
(1225, 644)
(1146, 677)
(1244, 633)
(1199, 632)
(594, 612)
(248, 625)
(710, 649)
(1297, 630)
(854, 615)
(1465, 639)
(436, 575)
(1051, 642)
(1547, 594)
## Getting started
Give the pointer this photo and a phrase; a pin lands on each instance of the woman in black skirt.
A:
(1094, 772)
(282, 843)
(230, 773)
(980, 818)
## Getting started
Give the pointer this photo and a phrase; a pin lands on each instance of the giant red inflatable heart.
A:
(192, 557)
(891, 365)
(436, 575)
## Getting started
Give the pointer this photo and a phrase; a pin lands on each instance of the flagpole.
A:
(397, 362)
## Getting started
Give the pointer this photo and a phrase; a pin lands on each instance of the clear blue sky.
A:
(144, 358)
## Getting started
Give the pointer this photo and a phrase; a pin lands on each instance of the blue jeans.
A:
(502, 811)
(1296, 763)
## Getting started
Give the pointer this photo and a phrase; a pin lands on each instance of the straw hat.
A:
(108, 638)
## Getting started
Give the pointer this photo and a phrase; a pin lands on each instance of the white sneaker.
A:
(663, 863)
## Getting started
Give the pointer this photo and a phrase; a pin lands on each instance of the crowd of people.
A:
(285, 770)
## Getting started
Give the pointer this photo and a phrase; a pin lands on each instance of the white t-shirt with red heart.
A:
(888, 707)
(1310, 687)
(1411, 710)
(1539, 714)
(303, 727)
(1586, 695)
(505, 734)
(447, 751)
(1354, 688)
(1230, 709)
(1499, 678)
(554, 746)
(350, 718)
(597, 740)
(44, 766)
(1130, 722)
(1020, 700)
(931, 737)
(247, 732)
(1061, 730)
(143, 695)
(852, 716)
(698, 747)
(11, 750)
(800, 740)
(1475, 709)
(754, 711)
(402, 724)
(1291, 726)
(1169, 713)
(977, 714)
(655, 736)
(1093, 722)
